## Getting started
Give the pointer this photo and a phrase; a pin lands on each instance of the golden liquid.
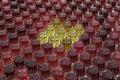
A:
(43, 37)
(50, 30)
(67, 43)
(55, 41)
(67, 26)
(79, 29)
(56, 24)
(61, 33)
(73, 35)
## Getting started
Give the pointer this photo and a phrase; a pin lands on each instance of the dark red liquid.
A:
(94, 56)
